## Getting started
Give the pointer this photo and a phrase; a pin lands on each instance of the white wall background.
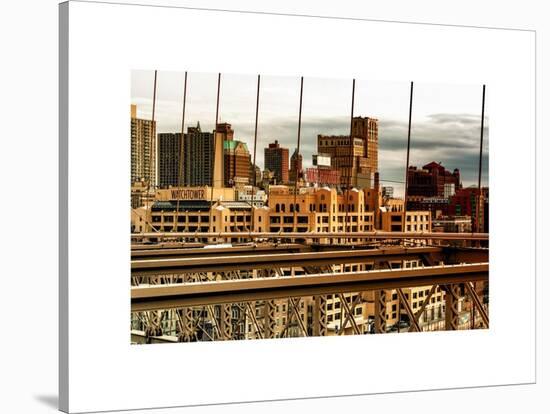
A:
(28, 292)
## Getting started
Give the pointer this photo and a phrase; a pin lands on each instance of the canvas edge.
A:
(63, 311)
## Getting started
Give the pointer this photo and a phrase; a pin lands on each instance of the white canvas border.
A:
(99, 68)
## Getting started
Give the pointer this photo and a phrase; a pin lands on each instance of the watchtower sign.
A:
(187, 194)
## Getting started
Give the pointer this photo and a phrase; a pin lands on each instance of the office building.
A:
(319, 210)
(236, 163)
(356, 160)
(276, 161)
(430, 180)
(143, 148)
(170, 150)
(198, 157)
(465, 203)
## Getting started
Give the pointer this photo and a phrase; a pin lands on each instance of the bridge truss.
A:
(290, 290)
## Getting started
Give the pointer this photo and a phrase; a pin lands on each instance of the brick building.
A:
(430, 180)
(465, 202)
(276, 161)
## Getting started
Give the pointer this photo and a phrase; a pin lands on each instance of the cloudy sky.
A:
(445, 123)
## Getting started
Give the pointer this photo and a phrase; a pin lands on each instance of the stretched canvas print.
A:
(253, 205)
(255, 215)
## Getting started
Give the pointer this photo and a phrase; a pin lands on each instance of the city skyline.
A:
(292, 227)
(445, 123)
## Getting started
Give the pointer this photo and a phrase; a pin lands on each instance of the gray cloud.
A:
(452, 139)
(445, 130)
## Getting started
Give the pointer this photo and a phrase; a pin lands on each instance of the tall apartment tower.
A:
(143, 148)
(276, 161)
(170, 159)
(357, 161)
(198, 157)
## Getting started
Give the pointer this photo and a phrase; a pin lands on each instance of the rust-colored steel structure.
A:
(214, 262)
(227, 291)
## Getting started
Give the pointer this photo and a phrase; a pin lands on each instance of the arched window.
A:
(277, 208)
(292, 208)
(283, 208)
(297, 208)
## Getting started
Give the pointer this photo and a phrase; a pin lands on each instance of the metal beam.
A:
(426, 302)
(218, 251)
(227, 291)
(317, 235)
(380, 315)
(403, 300)
(319, 318)
(257, 261)
(350, 316)
(452, 298)
(478, 305)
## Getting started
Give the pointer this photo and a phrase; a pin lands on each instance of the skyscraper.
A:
(276, 161)
(169, 155)
(357, 161)
(143, 145)
(198, 157)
